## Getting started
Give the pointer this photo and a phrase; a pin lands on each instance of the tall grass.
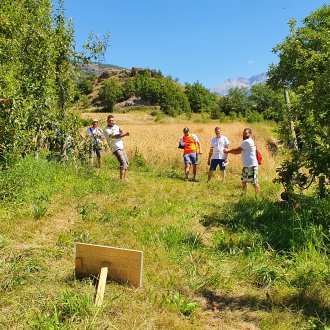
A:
(210, 255)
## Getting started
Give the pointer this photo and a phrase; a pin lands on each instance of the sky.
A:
(207, 41)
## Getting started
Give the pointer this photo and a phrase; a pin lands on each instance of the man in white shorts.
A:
(249, 160)
(114, 137)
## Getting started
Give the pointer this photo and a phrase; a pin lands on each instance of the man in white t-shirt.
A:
(114, 137)
(217, 155)
(249, 160)
(96, 137)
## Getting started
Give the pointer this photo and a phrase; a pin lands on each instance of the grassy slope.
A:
(204, 267)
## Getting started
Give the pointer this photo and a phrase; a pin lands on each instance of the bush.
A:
(85, 101)
(85, 85)
(200, 98)
(110, 93)
(253, 116)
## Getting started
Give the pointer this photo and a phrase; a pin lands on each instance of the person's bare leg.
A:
(186, 171)
(223, 176)
(257, 188)
(99, 162)
(244, 186)
(122, 174)
(209, 177)
(194, 171)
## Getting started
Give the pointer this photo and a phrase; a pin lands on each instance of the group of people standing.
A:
(114, 137)
(218, 156)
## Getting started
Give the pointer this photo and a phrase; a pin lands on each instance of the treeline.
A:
(259, 103)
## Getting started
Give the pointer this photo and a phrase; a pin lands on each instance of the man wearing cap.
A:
(192, 149)
(96, 138)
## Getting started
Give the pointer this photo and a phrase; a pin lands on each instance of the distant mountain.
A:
(240, 82)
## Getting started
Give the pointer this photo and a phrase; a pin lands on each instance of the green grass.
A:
(212, 258)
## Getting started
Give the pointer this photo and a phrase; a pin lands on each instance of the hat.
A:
(186, 129)
(95, 120)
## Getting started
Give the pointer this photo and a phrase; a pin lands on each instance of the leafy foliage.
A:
(85, 84)
(158, 90)
(200, 98)
(35, 76)
(267, 101)
(110, 93)
(304, 67)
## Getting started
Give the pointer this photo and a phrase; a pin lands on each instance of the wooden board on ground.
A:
(125, 266)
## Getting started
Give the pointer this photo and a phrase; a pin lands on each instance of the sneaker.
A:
(195, 180)
(185, 179)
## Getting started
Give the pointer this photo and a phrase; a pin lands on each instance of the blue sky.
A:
(207, 41)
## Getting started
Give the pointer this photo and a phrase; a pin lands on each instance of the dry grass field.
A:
(157, 142)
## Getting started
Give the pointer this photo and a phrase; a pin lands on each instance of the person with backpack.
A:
(249, 160)
(96, 138)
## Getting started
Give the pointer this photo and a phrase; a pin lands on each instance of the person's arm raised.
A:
(235, 151)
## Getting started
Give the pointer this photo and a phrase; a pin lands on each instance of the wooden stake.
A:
(101, 286)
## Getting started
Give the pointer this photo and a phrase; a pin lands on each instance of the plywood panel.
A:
(125, 266)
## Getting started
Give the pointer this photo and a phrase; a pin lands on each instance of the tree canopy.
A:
(304, 68)
(35, 75)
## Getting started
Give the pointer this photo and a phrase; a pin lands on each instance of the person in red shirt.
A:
(192, 148)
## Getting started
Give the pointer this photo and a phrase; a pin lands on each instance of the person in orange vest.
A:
(192, 148)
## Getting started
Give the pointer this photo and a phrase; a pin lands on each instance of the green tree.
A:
(172, 99)
(85, 85)
(36, 79)
(200, 98)
(304, 67)
(129, 88)
(237, 101)
(110, 93)
(36, 74)
(267, 102)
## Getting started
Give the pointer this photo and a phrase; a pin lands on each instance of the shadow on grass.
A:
(309, 306)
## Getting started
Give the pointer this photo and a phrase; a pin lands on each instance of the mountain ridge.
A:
(239, 82)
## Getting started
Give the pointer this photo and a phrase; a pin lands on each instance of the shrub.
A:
(110, 93)
(85, 85)
(252, 116)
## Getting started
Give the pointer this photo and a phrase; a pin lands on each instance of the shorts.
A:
(250, 174)
(122, 158)
(93, 151)
(191, 158)
(216, 162)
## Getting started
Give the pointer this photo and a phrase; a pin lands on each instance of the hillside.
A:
(120, 75)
